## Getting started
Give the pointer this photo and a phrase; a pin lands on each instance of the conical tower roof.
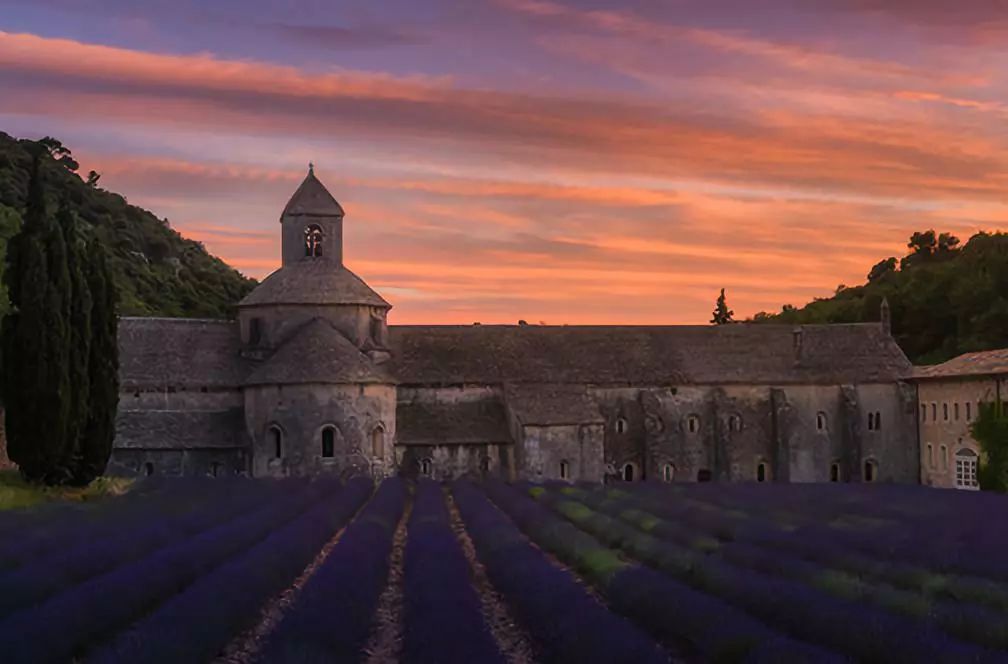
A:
(312, 199)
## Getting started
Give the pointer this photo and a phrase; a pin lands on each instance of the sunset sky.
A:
(566, 162)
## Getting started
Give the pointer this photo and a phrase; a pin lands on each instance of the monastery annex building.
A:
(311, 378)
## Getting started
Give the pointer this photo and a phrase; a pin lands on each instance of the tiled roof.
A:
(460, 423)
(178, 429)
(982, 363)
(318, 353)
(552, 404)
(312, 198)
(179, 352)
(645, 355)
(313, 281)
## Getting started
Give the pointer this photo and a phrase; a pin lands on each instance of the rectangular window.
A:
(945, 411)
(934, 412)
(966, 473)
(969, 407)
(944, 457)
(923, 409)
(956, 410)
(930, 455)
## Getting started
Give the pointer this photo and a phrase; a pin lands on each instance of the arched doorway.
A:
(629, 472)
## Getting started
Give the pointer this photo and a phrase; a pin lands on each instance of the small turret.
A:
(885, 320)
(312, 224)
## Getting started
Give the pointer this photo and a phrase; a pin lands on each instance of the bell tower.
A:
(312, 225)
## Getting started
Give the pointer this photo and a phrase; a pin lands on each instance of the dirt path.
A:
(243, 648)
(512, 640)
(385, 642)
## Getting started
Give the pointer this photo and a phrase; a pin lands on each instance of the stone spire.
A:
(885, 320)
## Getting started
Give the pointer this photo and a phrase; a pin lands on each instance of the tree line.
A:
(58, 340)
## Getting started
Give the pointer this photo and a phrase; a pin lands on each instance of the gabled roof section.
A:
(982, 363)
(312, 199)
(742, 353)
(313, 282)
(318, 353)
(550, 405)
(179, 353)
(461, 423)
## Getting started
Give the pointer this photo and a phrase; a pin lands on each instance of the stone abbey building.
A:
(311, 379)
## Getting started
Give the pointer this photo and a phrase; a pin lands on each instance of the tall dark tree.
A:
(79, 351)
(103, 366)
(35, 343)
(722, 314)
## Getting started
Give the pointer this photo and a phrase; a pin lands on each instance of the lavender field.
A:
(331, 571)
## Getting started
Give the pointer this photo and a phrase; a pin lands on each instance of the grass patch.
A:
(15, 493)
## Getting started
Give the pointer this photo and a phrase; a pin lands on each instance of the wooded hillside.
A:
(156, 270)
(946, 298)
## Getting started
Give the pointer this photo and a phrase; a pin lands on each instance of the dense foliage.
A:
(990, 430)
(155, 270)
(59, 350)
(946, 299)
(722, 315)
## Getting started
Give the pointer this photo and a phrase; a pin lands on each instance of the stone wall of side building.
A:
(945, 410)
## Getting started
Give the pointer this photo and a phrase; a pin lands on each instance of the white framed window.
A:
(966, 469)
(821, 421)
(668, 472)
(564, 470)
(621, 425)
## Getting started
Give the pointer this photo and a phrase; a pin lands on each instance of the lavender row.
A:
(198, 623)
(566, 623)
(332, 616)
(669, 610)
(60, 570)
(970, 623)
(80, 526)
(863, 632)
(71, 622)
(442, 616)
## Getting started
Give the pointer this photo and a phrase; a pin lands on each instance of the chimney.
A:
(885, 318)
(797, 337)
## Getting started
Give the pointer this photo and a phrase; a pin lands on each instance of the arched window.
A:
(148, 469)
(761, 472)
(923, 412)
(930, 456)
(834, 472)
(668, 472)
(276, 439)
(621, 425)
(426, 467)
(966, 469)
(734, 423)
(629, 471)
(692, 423)
(871, 421)
(934, 412)
(313, 240)
(820, 421)
(703, 475)
(878, 421)
(564, 470)
(870, 471)
(378, 442)
(329, 442)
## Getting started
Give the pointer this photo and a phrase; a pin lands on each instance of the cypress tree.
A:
(722, 314)
(35, 345)
(79, 342)
(103, 366)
